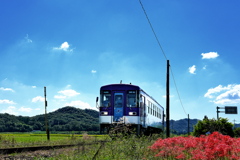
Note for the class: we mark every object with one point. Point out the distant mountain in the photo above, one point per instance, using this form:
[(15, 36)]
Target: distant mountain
[(73, 119), (64, 119), (181, 126)]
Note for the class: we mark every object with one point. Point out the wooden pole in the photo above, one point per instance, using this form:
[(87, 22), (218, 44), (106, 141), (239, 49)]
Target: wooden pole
[(188, 125), (167, 103), (46, 118)]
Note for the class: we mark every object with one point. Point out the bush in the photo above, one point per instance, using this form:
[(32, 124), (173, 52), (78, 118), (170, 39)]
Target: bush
[(236, 132), (207, 126)]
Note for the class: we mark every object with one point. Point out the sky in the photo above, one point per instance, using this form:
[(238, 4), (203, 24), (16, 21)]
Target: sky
[(74, 47)]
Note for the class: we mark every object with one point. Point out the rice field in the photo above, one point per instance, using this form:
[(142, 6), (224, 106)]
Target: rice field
[(9, 140)]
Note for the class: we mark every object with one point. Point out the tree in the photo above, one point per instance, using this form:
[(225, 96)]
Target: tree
[(210, 125), (237, 132)]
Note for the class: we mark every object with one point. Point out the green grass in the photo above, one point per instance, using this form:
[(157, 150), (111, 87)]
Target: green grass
[(24, 140), (123, 147)]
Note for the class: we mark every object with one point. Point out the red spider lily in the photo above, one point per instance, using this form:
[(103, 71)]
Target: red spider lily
[(209, 147)]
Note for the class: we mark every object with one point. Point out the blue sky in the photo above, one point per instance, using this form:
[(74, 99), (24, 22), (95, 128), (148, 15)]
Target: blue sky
[(74, 47)]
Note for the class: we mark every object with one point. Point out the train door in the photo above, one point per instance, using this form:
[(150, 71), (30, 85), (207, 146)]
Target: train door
[(118, 107), (142, 111)]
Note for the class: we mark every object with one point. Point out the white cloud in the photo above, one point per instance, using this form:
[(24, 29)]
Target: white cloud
[(94, 71), (68, 86), (69, 93), (66, 93), (64, 47), (192, 69), (205, 67), (6, 89), (60, 97), (209, 55), (23, 109), (6, 101), (34, 86), (28, 39), (216, 90), (10, 110), (38, 99), (229, 94), (79, 104)]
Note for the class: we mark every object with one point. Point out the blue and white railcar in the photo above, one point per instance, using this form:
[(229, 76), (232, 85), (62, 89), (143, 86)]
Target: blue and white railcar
[(129, 104)]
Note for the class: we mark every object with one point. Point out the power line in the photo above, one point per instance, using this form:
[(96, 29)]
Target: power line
[(153, 30), (178, 92), (159, 44)]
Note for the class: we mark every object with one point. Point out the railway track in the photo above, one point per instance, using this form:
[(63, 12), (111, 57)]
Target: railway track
[(36, 148)]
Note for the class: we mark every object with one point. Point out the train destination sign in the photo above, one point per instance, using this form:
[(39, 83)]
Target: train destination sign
[(230, 109)]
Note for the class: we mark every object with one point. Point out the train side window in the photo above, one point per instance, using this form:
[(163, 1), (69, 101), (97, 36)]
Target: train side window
[(151, 109), (148, 107), (105, 100), (132, 99), (155, 111)]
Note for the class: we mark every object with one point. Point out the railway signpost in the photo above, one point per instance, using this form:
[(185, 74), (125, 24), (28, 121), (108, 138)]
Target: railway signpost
[(227, 110)]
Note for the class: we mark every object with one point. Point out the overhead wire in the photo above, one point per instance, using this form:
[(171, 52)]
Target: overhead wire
[(178, 92), (159, 44)]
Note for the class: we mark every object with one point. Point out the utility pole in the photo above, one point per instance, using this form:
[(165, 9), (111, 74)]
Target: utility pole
[(234, 123), (167, 103), (188, 125), (46, 118)]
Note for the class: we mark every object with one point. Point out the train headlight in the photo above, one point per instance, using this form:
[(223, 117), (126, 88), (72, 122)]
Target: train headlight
[(104, 113), (132, 113)]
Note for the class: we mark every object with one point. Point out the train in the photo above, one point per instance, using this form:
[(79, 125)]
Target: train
[(131, 106)]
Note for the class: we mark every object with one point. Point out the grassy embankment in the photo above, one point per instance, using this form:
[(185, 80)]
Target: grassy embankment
[(122, 147)]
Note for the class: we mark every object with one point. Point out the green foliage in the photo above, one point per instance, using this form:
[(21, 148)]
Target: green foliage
[(236, 132), (124, 147), (207, 126), (64, 119)]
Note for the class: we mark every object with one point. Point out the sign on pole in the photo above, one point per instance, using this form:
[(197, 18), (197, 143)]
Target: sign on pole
[(231, 110)]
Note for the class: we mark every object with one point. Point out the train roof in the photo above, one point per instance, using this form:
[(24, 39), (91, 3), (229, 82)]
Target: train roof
[(127, 86), (120, 86)]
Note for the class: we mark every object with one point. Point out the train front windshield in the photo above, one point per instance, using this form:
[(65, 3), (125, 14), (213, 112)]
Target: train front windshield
[(132, 99), (105, 99)]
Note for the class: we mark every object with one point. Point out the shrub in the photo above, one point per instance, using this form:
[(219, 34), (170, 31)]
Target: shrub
[(211, 125), (236, 132)]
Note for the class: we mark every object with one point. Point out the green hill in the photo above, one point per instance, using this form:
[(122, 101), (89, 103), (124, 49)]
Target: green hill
[(64, 119), (181, 126)]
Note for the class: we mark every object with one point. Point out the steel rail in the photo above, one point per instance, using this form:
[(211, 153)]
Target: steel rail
[(35, 148)]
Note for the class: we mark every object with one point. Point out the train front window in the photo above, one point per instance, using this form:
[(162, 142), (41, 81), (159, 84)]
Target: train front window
[(132, 99), (118, 100), (105, 99)]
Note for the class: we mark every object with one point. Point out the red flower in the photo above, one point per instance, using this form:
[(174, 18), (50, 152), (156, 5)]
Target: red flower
[(208, 147)]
